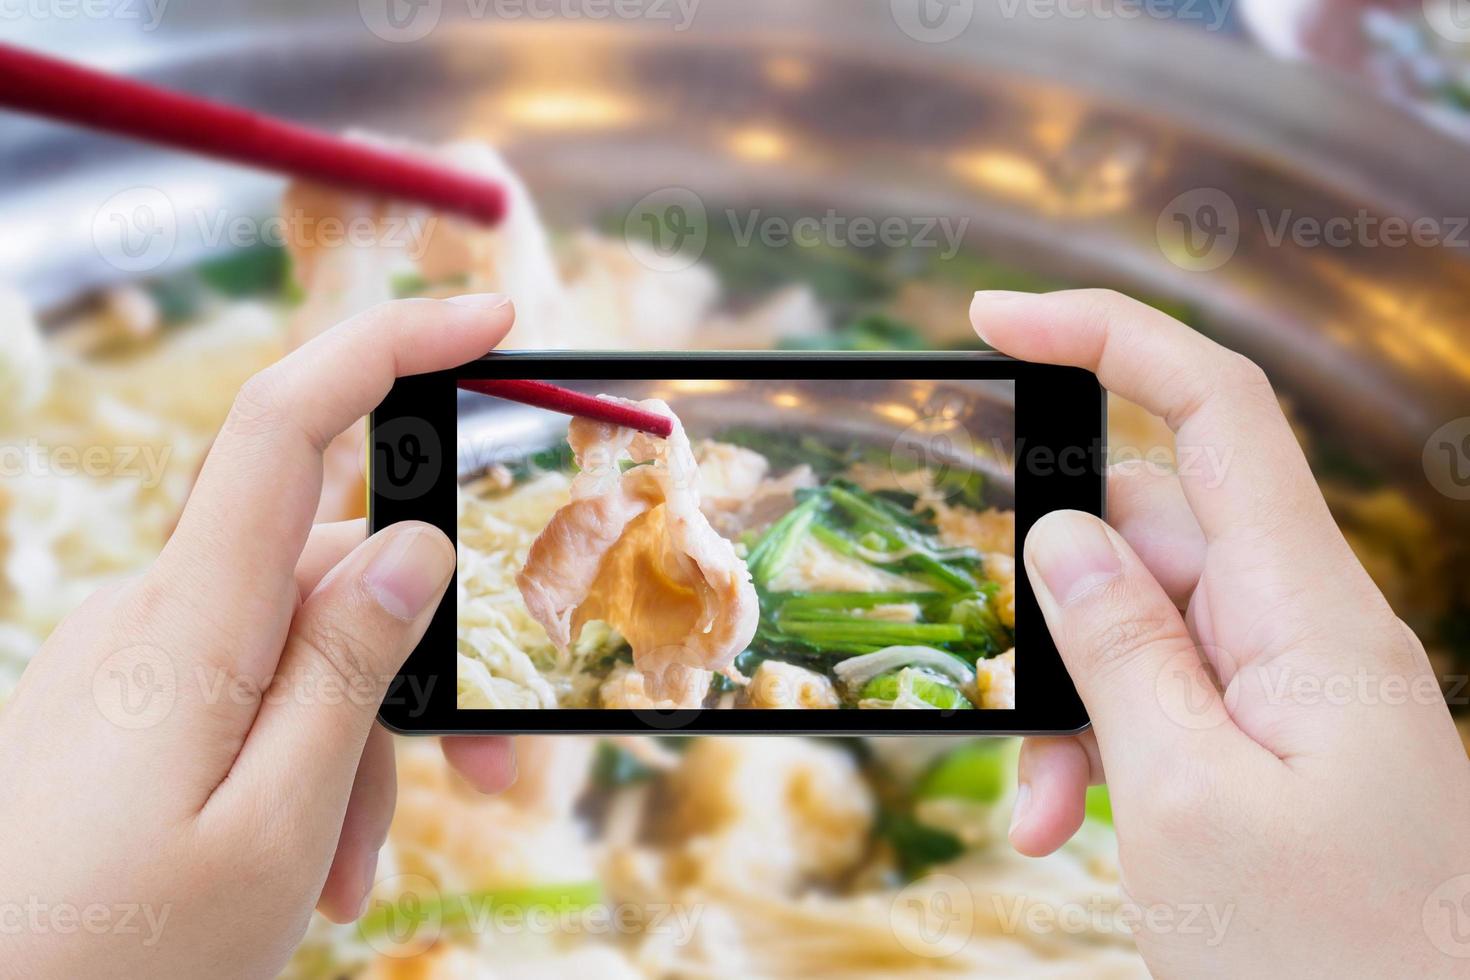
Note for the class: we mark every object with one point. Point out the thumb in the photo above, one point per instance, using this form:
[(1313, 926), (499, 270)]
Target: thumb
[(346, 643), (1145, 685)]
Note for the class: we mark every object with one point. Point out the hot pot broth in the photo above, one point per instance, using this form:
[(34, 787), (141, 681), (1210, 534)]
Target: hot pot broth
[(882, 583)]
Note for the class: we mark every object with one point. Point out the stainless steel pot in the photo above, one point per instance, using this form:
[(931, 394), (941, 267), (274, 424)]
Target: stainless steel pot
[(943, 424), (1065, 143)]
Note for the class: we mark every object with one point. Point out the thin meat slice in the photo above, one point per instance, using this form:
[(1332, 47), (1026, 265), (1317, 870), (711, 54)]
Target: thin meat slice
[(633, 550)]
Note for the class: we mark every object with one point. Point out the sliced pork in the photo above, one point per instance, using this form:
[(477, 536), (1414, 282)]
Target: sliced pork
[(633, 549)]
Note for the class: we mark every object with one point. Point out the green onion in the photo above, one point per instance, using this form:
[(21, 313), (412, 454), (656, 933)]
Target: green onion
[(791, 601), (926, 687), (874, 631), (774, 549), (398, 921), (975, 771), (1099, 805)]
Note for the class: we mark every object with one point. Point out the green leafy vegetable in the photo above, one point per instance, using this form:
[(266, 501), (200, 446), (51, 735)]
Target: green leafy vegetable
[(399, 921), (409, 284), (775, 547), (871, 332), (1099, 805), (917, 846), (920, 684), (616, 766), (976, 771), (985, 635), (256, 271)]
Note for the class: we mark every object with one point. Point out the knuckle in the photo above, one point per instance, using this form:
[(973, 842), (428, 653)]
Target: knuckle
[(257, 406), (1126, 637), (141, 603), (1104, 306), (342, 651), (1243, 373)]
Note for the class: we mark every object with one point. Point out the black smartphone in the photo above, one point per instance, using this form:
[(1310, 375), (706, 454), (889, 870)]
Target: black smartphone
[(864, 513)]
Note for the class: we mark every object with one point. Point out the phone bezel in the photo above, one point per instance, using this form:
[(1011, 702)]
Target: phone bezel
[(1057, 409)]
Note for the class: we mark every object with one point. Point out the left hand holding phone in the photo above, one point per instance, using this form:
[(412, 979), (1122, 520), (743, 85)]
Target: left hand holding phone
[(199, 741)]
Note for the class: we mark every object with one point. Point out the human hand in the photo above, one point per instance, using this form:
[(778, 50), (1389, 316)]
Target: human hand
[(1275, 742), (191, 762)]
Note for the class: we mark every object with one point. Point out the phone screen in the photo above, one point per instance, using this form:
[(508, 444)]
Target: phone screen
[(822, 543)]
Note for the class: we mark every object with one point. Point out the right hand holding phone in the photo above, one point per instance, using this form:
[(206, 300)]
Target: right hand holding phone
[(1317, 807)]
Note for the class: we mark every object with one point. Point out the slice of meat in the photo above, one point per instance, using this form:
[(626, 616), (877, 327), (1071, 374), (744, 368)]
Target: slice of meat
[(736, 494), (632, 549)]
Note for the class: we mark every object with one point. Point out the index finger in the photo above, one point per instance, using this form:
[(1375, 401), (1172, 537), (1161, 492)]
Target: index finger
[(1245, 473), (244, 526)]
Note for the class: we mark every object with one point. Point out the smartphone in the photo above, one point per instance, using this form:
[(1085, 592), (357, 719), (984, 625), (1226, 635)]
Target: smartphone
[(868, 508)]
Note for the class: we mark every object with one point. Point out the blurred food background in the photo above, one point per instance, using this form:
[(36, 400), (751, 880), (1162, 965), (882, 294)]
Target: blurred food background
[(1285, 176)]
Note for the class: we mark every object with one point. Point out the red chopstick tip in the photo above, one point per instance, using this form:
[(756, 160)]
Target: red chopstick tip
[(540, 394), (61, 90)]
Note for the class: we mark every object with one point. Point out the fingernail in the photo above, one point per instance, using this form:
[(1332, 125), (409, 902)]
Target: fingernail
[(992, 299), (1022, 804), (480, 301), (997, 296), (1072, 554), (409, 572)]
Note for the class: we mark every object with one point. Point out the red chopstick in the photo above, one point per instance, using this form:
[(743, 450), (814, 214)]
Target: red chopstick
[(567, 402), (39, 85)]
